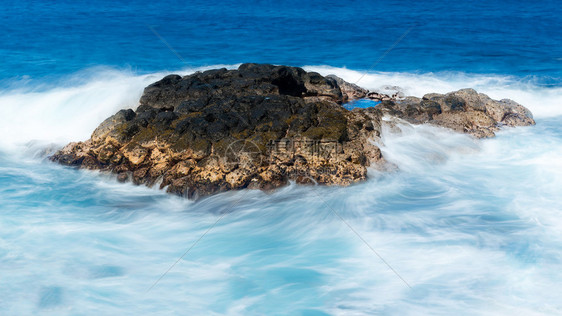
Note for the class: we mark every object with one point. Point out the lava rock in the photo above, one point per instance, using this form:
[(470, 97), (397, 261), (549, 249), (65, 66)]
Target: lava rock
[(258, 126), (261, 126)]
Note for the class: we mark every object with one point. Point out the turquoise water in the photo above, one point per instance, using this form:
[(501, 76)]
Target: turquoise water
[(361, 104), (473, 227), (468, 227)]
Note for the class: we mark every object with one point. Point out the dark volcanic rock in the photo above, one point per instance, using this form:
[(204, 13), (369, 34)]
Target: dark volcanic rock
[(260, 126), (200, 89)]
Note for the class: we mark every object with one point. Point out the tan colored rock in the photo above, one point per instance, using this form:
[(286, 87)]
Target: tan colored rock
[(464, 111), (136, 155)]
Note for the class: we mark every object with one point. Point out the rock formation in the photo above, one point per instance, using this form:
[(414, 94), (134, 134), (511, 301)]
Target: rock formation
[(260, 126), (465, 111)]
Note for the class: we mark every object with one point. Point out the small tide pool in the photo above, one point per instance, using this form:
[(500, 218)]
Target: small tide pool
[(360, 104)]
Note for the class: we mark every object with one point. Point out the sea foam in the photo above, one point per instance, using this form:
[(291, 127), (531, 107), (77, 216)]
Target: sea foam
[(74, 107)]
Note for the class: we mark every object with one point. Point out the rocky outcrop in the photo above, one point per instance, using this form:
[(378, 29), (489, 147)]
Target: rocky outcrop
[(261, 126), (465, 111), (352, 91)]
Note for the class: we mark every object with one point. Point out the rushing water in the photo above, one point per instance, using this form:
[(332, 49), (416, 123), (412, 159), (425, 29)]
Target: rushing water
[(463, 226)]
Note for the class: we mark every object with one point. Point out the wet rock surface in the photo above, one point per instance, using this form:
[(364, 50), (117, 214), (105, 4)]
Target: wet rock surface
[(261, 126)]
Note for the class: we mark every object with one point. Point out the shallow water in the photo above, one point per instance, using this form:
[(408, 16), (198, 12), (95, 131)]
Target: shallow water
[(461, 227)]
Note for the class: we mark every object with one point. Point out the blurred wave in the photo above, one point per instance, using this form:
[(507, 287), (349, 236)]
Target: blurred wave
[(473, 226)]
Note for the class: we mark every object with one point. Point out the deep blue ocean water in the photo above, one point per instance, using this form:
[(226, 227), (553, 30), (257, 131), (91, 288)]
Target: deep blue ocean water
[(45, 38), (472, 227)]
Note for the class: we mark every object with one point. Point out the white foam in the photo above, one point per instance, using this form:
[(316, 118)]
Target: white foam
[(72, 109)]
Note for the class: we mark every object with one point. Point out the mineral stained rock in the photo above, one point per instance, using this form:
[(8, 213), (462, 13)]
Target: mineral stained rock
[(261, 126)]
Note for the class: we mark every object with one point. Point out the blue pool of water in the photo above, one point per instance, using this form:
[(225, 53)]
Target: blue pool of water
[(473, 227), (360, 104)]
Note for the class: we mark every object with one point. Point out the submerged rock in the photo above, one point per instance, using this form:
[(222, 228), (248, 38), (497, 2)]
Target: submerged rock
[(261, 126)]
